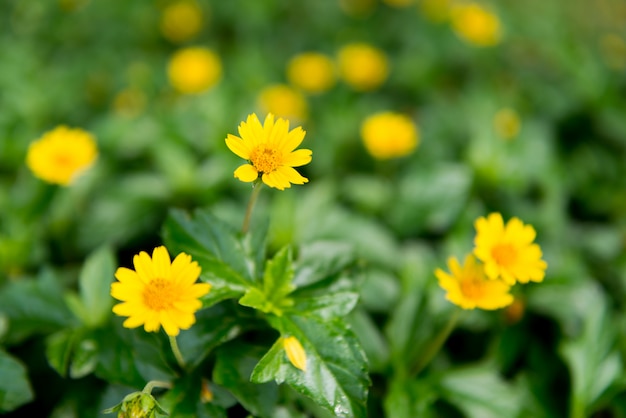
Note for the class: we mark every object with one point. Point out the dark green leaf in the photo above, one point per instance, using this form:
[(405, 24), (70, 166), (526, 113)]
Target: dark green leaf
[(336, 375), (84, 359), (333, 305), (15, 389), (35, 306), (320, 260), (59, 348), (94, 282), (232, 370)]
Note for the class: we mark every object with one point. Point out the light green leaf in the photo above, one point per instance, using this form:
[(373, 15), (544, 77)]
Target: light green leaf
[(15, 390), (94, 283), (336, 368), (84, 358)]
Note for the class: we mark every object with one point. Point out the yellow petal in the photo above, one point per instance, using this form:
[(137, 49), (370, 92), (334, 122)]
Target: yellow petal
[(291, 175), (238, 146), (295, 353), (298, 158), (246, 173), (144, 267), (161, 262)]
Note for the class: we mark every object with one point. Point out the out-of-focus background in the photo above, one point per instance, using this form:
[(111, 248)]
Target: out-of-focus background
[(517, 107)]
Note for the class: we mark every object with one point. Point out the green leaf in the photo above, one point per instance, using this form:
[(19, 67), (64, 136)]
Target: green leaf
[(319, 260), (84, 359), (479, 391), (59, 350), (336, 375), (334, 305), (35, 306), (94, 284), (277, 284), (593, 359), (409, 399), (233, 366), (15, 390)]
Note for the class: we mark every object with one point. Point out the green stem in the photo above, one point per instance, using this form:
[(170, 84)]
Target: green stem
[(437, 343), (156, 384), (177, 353), (256, 189)]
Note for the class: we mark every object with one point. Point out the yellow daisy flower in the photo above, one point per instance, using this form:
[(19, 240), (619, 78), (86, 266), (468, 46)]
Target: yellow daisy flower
[(159, 292), (269, 148), (295, 352), (61, 155), (467, 286), (507, 123), (507, 250), (362, 66), (389, 135), (312, 72), (194, 70), (181, 20), (283, 101), (476, 25)]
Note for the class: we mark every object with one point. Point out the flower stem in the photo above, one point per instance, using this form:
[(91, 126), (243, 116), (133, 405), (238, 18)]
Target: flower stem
[(176, 351), (436, 344), (256, 189), (156, 384)]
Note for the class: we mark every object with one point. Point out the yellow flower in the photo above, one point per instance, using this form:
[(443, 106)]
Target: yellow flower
[(389, 135), (507, 250), (62, 154), (613, 49), (181, 20), (507, 123), (283, 101), (362, 66), (436, 10), (476, 25), (295, 352), (194, 70), (312, 72), (468, 287), (269, 148), (357, 8), (159, 292)]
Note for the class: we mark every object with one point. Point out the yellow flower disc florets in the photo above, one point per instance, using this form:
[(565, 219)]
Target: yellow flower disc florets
[(508, 250), (271, 151), (159, 292), (61, 155)]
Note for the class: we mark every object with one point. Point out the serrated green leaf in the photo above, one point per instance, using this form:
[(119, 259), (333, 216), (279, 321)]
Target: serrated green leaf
[(233, 366), (15, 389), (94, 284), (336, 368), (35, 306), (277, 284)]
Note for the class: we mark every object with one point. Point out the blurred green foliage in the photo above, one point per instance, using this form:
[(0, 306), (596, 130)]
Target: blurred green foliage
[(366, 228)]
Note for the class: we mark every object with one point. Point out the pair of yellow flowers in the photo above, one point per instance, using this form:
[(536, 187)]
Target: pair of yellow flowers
[(508, 255)]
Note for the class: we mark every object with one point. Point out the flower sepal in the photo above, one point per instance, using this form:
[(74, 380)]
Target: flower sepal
[(137, 405)]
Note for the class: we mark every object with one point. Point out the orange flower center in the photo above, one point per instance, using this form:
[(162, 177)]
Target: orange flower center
[(504, 254), (63, 160), (265, 159), (159, 294), (472, 288)]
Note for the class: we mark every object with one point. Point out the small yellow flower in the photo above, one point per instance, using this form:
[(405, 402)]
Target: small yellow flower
[(283, 101), (507, 123), (362, 66), (613, 49), (62, 154), (312, 72), (476, 25), (194, 70), (269, 148), (357, 8), (295, 352), (508, 250), (436, 10), (159, 292), (468, 287), (389, 135), (181, 20)]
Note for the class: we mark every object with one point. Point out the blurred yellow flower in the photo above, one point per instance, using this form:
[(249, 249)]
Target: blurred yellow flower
[(283, 101), (312, 72), (399, 3), (508, 250), (181, 20), (357, 8), (613, 48), (389, 135), (436, 10), (194, 70), (362, 66), (295, 352), (159, 292), (269, 148), (507, 123), (476, 25), (467, 286), (62, 154)]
